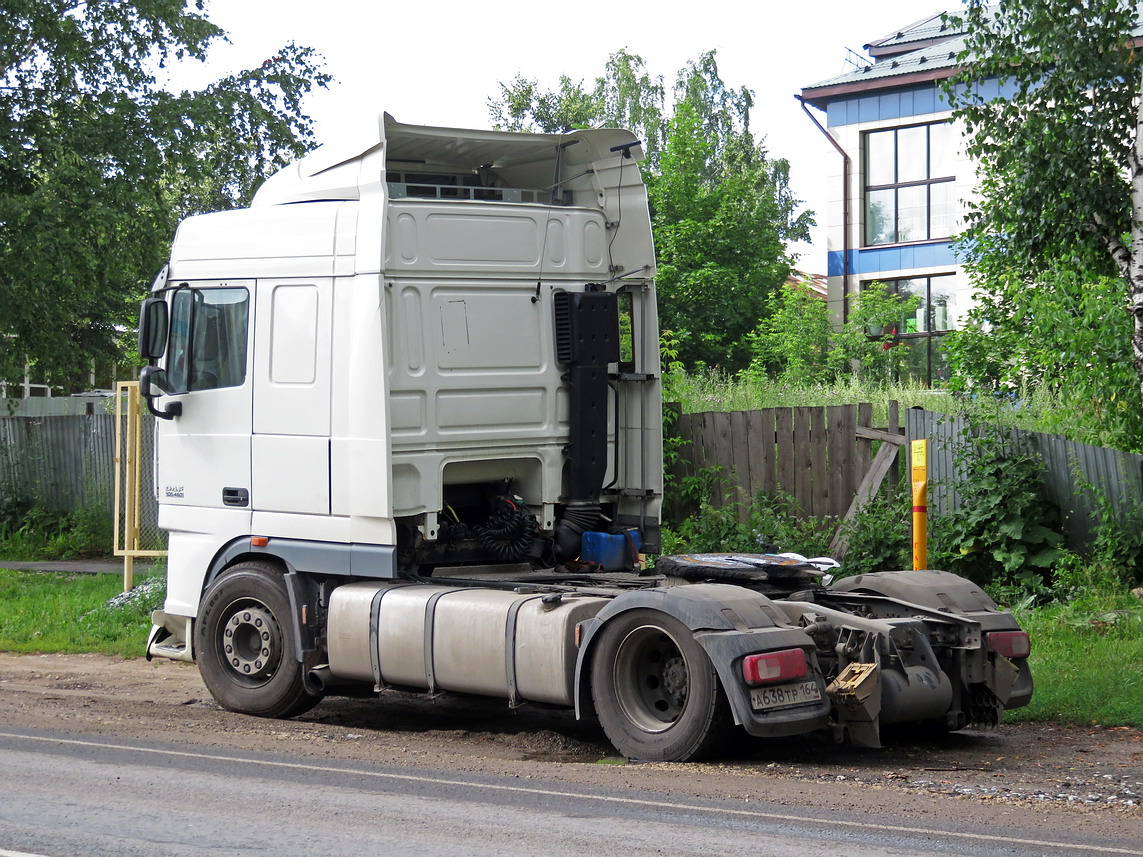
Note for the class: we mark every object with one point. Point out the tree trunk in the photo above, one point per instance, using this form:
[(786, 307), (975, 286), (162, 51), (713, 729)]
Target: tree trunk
[(1134, 273)]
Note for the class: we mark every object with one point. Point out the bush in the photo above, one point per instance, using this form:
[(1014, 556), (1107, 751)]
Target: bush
[(880, 536), (773, 525), (1005, 533), (45, 534)]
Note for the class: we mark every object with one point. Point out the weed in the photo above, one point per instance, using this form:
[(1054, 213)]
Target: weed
[(772, 525), (880, 537), (1005, 534), (47, 534)]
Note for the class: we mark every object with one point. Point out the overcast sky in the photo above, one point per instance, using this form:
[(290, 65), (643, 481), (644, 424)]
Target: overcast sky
[(437, 63)]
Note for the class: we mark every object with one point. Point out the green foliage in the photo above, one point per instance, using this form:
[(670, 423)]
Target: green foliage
[(722, 209), (792, 344), (797, 343), (867, 336), (1051, 244), (624, 96), (51, 612), (1087, 659), (880, 536), (774, 524), (1053, 155), (720, 232), (1005, 533), (1062, 333), (98, 163), (43, 534)]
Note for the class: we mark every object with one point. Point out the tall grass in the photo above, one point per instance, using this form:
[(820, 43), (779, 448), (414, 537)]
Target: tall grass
[(712, 390)]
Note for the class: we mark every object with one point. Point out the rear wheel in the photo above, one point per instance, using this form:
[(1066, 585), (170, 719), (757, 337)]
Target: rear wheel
[(656, 691), (244, 644)]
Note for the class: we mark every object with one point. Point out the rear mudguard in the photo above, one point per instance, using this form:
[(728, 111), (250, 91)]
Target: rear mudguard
[(729, 622)]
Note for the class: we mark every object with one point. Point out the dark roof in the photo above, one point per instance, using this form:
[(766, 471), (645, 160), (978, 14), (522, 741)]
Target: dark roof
[(923, 33), (923, 52)]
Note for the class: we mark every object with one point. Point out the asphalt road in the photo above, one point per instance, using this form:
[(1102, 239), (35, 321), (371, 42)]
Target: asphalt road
[(64, 794)]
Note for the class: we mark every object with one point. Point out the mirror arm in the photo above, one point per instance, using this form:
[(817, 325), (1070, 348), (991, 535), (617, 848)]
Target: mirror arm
[(172, 410)]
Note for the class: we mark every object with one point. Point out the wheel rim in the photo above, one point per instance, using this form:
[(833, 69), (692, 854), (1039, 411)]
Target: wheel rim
[(250, 643), (651, 680)]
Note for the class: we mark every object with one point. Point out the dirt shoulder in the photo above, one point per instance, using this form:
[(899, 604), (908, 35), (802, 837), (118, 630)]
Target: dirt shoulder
[(1066, 776)]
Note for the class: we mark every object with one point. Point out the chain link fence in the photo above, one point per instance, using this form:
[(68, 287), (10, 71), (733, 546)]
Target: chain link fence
[(67, 463)]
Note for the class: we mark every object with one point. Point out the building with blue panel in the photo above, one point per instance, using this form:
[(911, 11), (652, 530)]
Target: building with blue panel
[(903, 183)]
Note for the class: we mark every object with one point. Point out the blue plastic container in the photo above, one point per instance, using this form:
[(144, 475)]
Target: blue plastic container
[(613, 551)]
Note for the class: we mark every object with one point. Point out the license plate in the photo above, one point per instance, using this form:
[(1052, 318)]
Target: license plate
[(785, 695)]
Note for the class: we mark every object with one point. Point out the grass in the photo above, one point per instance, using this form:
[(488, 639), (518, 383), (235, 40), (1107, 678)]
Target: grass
[(1087, 661), (54, 612)]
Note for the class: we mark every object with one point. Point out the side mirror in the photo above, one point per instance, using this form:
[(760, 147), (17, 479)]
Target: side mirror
[(153, 329), (152, 384)]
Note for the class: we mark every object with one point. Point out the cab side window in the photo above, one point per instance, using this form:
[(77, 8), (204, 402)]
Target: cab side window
[(208, 339)]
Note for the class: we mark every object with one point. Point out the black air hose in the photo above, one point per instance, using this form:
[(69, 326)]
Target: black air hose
[(577, 520)]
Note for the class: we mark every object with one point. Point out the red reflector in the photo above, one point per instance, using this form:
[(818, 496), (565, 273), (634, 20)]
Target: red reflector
[(774, 667), (1011, 644), (259, 541)]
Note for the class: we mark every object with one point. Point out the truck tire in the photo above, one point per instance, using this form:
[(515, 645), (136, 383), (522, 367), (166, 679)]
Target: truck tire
[(244, 644), (655, 690)]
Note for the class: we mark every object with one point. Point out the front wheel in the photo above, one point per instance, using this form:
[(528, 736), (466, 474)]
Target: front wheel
[(656, 691), (243, 640)]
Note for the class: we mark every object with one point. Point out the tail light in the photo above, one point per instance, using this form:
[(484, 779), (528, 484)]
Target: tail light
[(774, 667), (1010, 644)]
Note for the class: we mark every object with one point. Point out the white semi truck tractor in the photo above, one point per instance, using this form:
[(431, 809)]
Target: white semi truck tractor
[(411, 439)]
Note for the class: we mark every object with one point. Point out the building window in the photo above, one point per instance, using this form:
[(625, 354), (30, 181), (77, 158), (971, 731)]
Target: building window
[(944, 300), (909, 184)]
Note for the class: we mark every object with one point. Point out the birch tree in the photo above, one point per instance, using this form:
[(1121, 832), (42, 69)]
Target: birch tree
[(1060, 153)]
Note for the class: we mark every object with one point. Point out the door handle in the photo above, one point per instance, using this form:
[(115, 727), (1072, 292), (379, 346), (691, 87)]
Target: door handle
[(235, 497)]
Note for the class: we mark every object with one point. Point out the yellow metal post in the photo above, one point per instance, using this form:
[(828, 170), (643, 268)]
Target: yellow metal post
[(128, 479), (919, 450)]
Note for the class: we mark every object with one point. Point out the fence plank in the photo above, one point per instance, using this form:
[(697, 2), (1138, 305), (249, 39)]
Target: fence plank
[(704, 442), (720, 436), (840, 449), (740, 452), (819, 471), (891, 485), (761, 445), (863, 447), (784, 428), (803, 463), (683, 466)]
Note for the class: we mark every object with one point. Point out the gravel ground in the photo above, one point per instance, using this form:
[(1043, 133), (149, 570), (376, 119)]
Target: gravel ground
[(1074, 775)]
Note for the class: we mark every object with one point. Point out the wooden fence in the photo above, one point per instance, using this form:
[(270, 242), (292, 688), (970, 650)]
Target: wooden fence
[(829, 459)]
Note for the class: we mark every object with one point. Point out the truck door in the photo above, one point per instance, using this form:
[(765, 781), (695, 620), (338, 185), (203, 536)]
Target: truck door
[(206, 449)]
